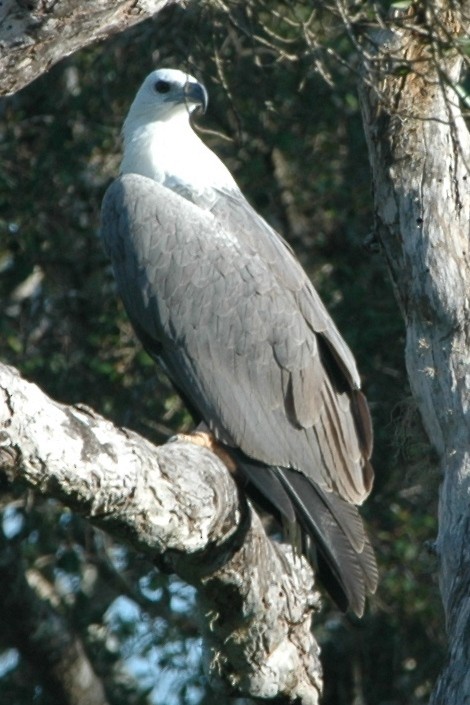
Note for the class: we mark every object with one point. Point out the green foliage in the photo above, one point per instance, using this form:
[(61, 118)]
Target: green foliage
[(285, 118)]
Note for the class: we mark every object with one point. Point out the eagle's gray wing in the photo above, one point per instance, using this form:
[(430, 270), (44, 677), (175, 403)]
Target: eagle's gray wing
[(218, 298)]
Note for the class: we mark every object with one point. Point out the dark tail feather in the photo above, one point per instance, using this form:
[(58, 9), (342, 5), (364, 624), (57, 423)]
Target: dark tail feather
[(267, 489), (342, 552), (334, 537)]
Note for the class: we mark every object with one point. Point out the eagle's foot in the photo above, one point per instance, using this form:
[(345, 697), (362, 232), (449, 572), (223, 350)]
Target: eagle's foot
[(206, 439)]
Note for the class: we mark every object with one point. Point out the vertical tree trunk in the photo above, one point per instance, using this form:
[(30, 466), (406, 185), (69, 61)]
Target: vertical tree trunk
[(419, 148)]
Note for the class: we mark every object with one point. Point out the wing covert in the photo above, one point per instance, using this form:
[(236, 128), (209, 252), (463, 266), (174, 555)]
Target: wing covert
[(224, 306)]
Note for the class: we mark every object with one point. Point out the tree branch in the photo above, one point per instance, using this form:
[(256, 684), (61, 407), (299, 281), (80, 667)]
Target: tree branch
[(36, 35), (180, 506)]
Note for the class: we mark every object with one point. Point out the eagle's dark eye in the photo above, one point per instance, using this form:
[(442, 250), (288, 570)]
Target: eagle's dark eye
[(162, 86)]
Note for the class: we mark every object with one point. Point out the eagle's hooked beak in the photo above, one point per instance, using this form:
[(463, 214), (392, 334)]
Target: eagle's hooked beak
[(196, 94)]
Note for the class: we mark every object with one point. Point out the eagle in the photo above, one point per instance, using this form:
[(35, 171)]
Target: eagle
[(220, 301)]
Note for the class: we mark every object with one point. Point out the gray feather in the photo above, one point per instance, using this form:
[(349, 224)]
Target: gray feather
[(221, 300)]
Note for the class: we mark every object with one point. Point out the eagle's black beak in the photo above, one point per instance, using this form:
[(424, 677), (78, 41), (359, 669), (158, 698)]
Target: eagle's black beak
[(196, 93)]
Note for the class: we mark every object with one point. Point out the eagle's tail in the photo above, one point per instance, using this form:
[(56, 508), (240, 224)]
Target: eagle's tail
[(334, 538)]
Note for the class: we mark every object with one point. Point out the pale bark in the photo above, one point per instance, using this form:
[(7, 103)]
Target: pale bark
[(180, 506), (419, 148), (35, 35)]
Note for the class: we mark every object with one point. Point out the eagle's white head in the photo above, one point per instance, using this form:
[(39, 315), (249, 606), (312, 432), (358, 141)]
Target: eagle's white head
[(166, 94), (159, 141)]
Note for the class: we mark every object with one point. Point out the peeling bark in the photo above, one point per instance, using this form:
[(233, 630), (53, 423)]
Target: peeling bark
[(419, 148), (36, 35), (180, 506)]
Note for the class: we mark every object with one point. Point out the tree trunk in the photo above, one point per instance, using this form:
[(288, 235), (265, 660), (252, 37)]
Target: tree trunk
[(32, 621), (418, 146)]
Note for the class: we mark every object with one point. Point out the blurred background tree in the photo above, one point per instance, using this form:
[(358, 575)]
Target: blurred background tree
[(284, 116)]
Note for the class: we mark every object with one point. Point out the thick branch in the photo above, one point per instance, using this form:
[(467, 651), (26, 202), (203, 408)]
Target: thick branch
[(418, 146), (36, 35), (180, 506)]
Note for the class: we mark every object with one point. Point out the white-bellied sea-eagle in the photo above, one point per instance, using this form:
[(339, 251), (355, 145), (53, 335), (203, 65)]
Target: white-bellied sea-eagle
[(219, 299)]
